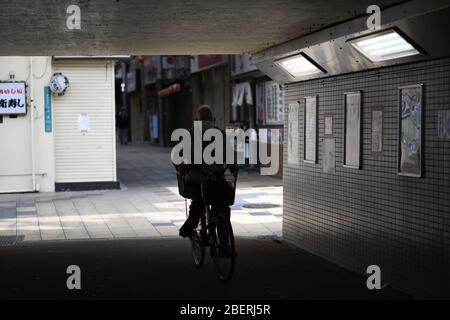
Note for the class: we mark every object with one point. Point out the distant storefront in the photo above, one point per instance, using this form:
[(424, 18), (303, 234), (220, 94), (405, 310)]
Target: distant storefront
[(211, 86), (256, 102), (62, 134), (157, 96)]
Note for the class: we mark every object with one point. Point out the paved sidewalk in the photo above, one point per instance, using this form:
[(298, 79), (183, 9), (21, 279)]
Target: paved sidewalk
[(148, 205)]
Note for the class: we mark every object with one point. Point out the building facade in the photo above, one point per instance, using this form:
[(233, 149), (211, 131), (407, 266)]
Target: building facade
[(156, 92), (61, 142)]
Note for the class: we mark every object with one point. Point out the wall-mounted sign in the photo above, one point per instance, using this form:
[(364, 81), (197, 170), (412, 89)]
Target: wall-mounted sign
[(168, 62), (241, 63), (293, 134), (274, 103), (203, 62), (310, 128), (168, 67), (59, 84), (328, 130), (329, 145), (410, 131), (208, 60), (48, 109), (377, 130), (352, 116), (13, 98)]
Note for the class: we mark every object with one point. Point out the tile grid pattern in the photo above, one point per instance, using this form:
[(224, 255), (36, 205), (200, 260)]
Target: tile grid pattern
[(357, 218)]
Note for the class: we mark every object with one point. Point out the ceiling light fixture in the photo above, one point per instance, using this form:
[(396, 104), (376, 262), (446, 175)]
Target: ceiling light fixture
[(384, 46), (300, 66)]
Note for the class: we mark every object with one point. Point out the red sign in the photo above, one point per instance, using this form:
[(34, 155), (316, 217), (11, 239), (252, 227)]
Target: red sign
[(208, 60)]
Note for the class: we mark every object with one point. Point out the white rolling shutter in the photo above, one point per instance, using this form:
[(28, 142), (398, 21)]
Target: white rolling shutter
[(85, 156)]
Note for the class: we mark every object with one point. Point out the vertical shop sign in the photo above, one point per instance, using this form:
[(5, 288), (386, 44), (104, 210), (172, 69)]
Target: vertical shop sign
[(48, 109)]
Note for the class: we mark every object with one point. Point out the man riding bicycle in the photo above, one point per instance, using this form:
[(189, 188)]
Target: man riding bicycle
[(194, 174)]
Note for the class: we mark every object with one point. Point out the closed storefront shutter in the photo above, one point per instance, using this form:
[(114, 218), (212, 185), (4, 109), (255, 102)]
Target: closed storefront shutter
[(85, 152)]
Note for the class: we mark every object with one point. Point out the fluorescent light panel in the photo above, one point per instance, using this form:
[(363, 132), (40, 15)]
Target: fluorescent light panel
[(384, 47), (298, 66)]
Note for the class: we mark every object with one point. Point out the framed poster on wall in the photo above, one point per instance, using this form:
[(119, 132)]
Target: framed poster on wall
[(410, 161), (293, 134), (444, 124), (377, 130), (352, 129), (310, 130), (274, 103)]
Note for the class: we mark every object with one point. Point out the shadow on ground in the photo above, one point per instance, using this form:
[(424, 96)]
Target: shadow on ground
[(162, 269)]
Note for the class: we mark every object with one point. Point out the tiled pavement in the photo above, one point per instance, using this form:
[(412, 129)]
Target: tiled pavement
[(148, 205)]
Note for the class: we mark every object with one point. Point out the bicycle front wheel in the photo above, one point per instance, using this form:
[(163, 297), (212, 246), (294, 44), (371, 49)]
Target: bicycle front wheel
[(223, 249)]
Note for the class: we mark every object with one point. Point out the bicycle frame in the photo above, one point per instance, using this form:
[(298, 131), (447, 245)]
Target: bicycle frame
[(222, 253), (206, 223)]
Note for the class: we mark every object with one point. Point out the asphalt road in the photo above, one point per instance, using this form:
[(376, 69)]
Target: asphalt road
[(163, 269)]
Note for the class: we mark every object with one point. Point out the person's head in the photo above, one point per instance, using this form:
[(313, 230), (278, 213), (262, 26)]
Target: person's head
[(204, 113)]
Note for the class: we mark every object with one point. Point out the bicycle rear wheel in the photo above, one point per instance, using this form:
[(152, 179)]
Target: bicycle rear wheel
[(198, 248), (223, 248), (198, 243)]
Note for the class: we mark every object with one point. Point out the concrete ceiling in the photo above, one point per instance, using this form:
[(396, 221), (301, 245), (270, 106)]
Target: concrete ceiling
[(154, 27)]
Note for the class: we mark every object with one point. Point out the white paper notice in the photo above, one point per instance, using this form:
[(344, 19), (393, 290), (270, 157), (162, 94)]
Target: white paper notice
[(328, 126), (293, 136), (84, 122), (377, 131)]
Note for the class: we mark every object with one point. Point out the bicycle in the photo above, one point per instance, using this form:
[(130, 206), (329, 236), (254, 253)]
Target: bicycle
[(214, 228)]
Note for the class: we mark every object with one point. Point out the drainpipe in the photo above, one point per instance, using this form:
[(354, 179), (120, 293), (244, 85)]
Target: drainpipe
[(33, 166), (161, 108)]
